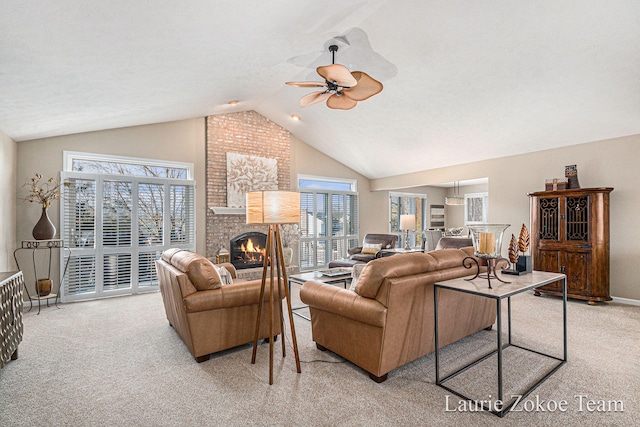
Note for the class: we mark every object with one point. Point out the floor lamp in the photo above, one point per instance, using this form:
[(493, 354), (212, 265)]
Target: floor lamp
[(274, 208)]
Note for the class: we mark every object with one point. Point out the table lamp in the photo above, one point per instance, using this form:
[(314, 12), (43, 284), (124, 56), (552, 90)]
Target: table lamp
[(274, 208), (407, 223)]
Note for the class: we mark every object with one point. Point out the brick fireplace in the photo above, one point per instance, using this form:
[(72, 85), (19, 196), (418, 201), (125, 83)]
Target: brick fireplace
[(247, 133), (247, 250)]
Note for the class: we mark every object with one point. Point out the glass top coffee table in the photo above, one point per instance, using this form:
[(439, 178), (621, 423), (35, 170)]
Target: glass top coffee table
[(330, 276)]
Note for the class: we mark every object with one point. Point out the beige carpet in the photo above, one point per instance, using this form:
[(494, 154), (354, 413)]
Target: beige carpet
[(117, 362)]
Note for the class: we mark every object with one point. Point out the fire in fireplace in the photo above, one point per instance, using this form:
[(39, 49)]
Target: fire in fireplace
[(247, 250)]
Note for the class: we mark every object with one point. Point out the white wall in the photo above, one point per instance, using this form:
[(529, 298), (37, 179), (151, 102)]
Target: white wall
[(309, 161), (455, 215), (8, 167), (609, 163), (181, 141)]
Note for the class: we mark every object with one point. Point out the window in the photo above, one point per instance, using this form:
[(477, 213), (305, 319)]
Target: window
[(407, 204), (328, 220), (118, 216), (476, 208)]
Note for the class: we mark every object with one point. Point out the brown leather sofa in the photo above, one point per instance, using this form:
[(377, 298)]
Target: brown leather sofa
[(210, 316), (388, 321), (386, 241), (448, 242)]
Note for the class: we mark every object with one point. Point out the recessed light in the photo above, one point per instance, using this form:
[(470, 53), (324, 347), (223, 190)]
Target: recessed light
[(295, 117), (234, 102)]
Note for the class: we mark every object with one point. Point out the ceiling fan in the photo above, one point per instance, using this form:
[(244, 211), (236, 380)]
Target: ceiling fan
[(341, 88)]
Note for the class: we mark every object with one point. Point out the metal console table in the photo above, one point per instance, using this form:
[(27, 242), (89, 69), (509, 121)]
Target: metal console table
[(517, 285), (34, 246)]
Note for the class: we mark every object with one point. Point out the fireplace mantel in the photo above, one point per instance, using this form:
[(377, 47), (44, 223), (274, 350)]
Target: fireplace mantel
[(223, 210)]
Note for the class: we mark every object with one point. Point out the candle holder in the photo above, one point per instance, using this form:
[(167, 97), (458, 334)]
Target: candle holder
[(487, 245)]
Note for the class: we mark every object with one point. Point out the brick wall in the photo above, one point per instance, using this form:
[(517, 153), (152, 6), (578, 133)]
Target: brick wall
[(247, 133)]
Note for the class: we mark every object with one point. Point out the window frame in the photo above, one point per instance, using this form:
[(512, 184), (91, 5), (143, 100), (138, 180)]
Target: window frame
[(416, 237), (484, 196), (70, 156), (343, 242), (93, 257)]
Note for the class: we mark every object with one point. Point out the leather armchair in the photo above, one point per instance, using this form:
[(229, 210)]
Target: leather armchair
[(210, 316), (386, 241)]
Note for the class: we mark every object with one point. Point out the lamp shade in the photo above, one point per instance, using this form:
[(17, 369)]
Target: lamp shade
[(407, 222), (273, 207)]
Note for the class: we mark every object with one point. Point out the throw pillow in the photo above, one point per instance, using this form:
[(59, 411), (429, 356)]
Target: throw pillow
[(355, 275), (225, 275), (371, 248)]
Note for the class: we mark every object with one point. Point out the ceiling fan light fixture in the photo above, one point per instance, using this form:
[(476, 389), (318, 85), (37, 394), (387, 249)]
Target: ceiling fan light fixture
[(339, 81)]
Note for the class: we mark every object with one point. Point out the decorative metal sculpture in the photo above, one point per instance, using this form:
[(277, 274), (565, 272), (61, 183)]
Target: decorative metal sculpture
[(513, 249), (523, 240)]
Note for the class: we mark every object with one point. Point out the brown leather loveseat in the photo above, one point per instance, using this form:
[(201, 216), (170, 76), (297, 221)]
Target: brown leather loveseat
[(388, 321), (210, 316)]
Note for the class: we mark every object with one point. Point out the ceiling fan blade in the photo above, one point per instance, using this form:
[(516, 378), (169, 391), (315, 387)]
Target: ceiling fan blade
[(341, 102), (314, 98), (307, 84), (337, 73), (367, 87)]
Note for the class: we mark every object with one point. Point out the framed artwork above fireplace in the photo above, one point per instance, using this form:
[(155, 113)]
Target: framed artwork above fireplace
[(249, 173)]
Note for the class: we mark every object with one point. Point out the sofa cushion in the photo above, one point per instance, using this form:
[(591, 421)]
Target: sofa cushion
[(405, 265), (201, 272)]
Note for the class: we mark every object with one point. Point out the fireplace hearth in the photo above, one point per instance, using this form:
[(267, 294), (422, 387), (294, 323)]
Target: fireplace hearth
[(247, 250)]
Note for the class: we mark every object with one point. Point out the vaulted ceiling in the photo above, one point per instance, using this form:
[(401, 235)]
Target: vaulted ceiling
[(463, 80)]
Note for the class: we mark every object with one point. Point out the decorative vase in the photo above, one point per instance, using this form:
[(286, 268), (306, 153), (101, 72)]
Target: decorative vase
[(44, 287), (44, 229), (487, 245)]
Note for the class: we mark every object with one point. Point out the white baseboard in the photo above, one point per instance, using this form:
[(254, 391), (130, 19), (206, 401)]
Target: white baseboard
[(626, 301)]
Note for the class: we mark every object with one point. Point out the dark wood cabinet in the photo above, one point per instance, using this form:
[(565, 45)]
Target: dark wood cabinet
[(570, 235)]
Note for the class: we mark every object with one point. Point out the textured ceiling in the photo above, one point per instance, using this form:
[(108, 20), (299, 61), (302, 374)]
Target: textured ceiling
[(463, 80)]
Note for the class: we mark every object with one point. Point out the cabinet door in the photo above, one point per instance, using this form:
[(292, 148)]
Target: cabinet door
[(577, 219), (548, 218), (577, 267), (549, 260)]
